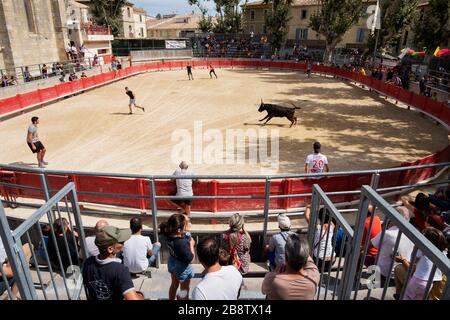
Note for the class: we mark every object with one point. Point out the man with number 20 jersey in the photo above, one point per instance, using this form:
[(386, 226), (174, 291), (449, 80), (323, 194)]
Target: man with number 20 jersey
[(316, 162)]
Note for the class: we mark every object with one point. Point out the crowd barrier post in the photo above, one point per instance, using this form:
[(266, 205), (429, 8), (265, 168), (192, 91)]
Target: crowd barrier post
[(154, 215), (266, 209)]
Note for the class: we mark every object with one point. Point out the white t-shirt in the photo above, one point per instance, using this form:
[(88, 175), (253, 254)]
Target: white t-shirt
[(386, 253), (320, 242), (424, 267), (316, 162), (135, 253), (91, 247), (3, 255), (34, 135), (220, 285), (184, 186)]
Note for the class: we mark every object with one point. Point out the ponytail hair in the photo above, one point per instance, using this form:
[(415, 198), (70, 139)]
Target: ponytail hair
[(176, 221)]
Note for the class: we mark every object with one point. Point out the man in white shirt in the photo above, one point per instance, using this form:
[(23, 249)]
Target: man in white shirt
[(386, 254), (219, 282), (138, 251), (316, 162), (184, 188), (92, 249)]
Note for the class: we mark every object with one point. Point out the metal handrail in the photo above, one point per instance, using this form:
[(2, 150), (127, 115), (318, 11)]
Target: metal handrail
[(214, 177)]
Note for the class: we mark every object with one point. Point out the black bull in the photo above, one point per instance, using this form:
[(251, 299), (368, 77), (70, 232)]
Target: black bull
[(274, 110)]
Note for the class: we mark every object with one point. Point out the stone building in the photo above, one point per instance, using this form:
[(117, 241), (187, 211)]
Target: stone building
[(82, 30), (31, 32), (174, 26), (133, 22), (298, 27)]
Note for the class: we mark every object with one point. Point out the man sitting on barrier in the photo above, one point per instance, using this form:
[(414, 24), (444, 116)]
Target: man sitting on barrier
[(298, 279), (138, 252), (275, 249), (104, 276), (184, 188)]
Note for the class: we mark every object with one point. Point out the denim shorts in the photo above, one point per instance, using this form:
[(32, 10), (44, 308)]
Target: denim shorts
[(183, 271)]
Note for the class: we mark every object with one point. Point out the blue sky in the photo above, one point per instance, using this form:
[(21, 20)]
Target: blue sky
[(154, 7)]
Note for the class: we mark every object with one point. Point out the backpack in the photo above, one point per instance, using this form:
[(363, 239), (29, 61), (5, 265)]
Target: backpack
[(231, 255)]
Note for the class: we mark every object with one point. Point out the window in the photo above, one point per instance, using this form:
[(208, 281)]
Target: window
[(252, 28), (304, 14), (142, 32), (140, 18), (252, 15), (130, 31), (129, 12), (264, 29), (265, 13), (360, 35), (301, 34), (168, 34), (161, 33), (30, 15)]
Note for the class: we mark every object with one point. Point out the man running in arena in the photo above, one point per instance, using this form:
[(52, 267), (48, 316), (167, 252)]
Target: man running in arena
[(132, 100), (212, 71), (316, 162), (35, 145), (189, 72)]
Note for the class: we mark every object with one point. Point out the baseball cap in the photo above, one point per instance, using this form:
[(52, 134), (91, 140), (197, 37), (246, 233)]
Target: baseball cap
[(284, 222), (110, 235), (317, 145)]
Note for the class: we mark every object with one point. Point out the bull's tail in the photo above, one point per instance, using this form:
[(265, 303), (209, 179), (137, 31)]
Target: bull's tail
[(295, 107)]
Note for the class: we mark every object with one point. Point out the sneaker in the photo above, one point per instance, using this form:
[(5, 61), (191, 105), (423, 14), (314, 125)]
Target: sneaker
[(130, 112), (143, 109), (41, 165), (45, 162)]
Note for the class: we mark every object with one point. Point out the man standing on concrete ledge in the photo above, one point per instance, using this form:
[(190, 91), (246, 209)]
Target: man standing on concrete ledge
[(35, 145)]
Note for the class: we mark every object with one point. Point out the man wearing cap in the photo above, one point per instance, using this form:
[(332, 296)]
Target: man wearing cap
[(316, 162), (184, 188), (277, 243), (104, 276)]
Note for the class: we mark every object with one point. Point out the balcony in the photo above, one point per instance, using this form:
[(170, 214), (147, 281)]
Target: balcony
[(97, 33)]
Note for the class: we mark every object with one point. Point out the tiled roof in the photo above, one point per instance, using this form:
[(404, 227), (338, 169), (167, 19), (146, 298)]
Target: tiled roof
[(176, 22)]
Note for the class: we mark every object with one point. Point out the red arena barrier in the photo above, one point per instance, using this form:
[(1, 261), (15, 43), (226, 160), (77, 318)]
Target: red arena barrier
[(120, 187)]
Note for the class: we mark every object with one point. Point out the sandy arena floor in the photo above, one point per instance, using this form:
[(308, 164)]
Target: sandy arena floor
[(93, 131)]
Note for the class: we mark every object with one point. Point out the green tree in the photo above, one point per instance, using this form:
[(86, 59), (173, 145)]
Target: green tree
[(396, 16), (206, 24), (277, 21), (333, 19), (431, 29), (229, 15), (108, 13), (158, 16)]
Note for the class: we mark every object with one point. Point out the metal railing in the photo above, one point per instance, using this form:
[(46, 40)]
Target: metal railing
[(54, 255), (341, 253), (355, 251), (265, 213)]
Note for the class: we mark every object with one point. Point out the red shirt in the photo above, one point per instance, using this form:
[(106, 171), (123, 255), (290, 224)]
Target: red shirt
[(376, 229)]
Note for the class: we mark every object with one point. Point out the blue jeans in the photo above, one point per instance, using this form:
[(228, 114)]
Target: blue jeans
[(155, 250)]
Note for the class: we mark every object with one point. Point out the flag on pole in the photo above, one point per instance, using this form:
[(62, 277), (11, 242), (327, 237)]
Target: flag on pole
[(436, 53), (377, 18)]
